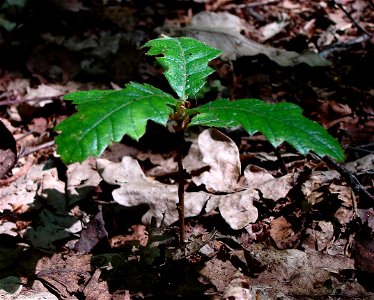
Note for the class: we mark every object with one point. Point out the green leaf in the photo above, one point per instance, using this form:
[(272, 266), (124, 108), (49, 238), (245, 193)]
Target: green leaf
[(185, 61), (104, 117), (277, 122)]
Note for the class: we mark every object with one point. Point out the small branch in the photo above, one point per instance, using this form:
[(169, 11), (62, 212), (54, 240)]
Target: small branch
[(350, 178), (370, 3), (30, 150), (344, 46), (341, 6)]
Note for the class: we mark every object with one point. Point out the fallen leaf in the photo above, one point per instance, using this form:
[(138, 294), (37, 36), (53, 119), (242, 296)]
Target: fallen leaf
[(66, 275), (237, 209), (222, 31), (8, 150), (135, 188), (321, 236), (310, 273), (282, 233), (222, 155), (238, 288), (82, 180)]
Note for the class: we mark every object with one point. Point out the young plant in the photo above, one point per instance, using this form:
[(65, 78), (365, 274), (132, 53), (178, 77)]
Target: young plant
[(105, 116)]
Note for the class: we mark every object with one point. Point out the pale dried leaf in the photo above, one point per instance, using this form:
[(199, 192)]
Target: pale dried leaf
[(136, 189), (255, 176), (237, 209), (278, 187), (238, 288), (82, 179), (222, 155), (222, 31), (21, 193), (270, 30)]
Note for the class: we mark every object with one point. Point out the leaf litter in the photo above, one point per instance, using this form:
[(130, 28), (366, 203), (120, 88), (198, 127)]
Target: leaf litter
[(312, 209)]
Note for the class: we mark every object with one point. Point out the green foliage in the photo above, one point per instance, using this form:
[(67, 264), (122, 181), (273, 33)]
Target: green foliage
[(104, 117), (277, 122), (185, 61)]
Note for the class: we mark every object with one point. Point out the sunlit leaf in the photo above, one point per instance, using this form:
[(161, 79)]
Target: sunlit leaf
[(104, 117), (185, 61), (277, 122)]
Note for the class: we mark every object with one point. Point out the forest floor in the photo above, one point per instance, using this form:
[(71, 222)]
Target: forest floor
[(299, 227)]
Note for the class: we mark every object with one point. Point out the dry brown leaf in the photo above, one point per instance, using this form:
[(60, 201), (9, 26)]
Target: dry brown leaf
[(237, 208), (222, 155), (67, 275), (282, 233), (96, 288), (270, 187), (238, 288), (223, 31), (321, 236), (82, 179), (296, 274), (136, 188)]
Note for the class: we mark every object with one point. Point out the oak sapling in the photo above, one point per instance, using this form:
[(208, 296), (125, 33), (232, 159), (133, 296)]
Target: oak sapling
[(105, 116)]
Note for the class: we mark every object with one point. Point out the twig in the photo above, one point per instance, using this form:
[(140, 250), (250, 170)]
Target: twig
[(255, 4), (370, 3), (350, 178), (37, 99), (344, 46), (30, 150), (341, 6)]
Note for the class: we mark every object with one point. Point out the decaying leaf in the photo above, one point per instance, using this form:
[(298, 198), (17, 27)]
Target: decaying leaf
[(237, 208), (8, 150), (282, 233), (136, 189), (222, 31), (270, 187), (222, 155), (295, 273), (238, 288), (67, 275), (82, 180)]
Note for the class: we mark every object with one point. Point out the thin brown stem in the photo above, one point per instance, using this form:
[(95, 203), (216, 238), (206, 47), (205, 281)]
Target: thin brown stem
[(181, 173)]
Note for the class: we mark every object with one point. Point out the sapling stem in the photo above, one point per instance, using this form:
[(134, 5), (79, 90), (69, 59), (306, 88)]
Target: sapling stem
[(181, 172)]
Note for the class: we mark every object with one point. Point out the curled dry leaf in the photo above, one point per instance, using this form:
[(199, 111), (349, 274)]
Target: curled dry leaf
[(270, 187), (222, 155), (282, 233), (8, 150), (223, 31), (135, 188), (310, 273), (238, 288), (237, 209), (82, 179)]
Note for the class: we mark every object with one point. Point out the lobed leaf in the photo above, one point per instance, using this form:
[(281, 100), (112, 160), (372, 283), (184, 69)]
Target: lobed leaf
[(277, 122), (104, 117), (185, 61)]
